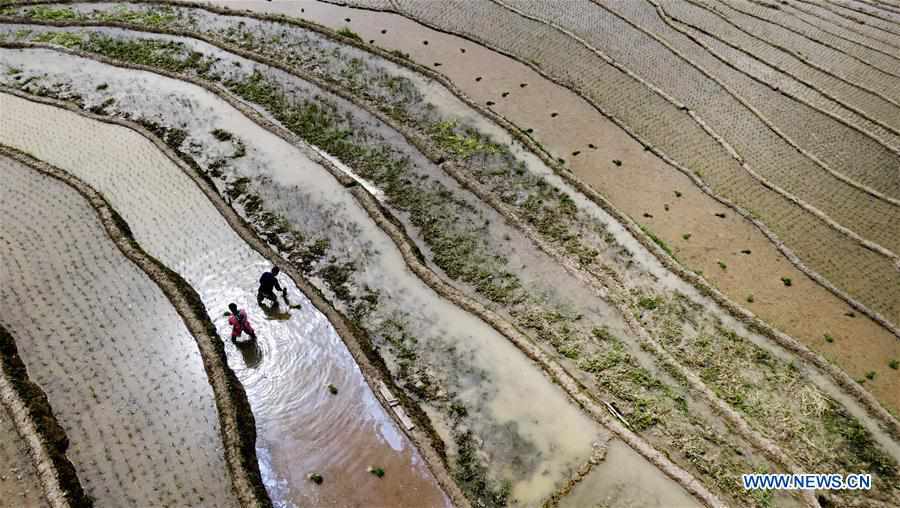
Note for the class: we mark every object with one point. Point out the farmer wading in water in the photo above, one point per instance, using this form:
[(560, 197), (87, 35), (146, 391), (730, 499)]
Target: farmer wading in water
[(267, 283), (239, 322)]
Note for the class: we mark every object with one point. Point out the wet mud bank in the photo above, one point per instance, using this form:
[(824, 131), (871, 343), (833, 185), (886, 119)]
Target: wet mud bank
[(34, 421), (349, 390), (107, 404)]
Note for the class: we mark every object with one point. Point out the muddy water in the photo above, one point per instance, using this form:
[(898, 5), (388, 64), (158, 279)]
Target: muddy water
[(302, 428), (616, 482), (557, 433), (116, 361), (19, 485), (642, 184)]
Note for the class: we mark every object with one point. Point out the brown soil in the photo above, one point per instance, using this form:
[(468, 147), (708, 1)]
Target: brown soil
[(19, 484), (642, 184)]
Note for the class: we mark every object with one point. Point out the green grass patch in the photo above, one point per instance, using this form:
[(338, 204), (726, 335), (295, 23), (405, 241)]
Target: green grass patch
[(649, 303), (350, 34), (658, 241), (65, 39), (47, 13), (462, 143)]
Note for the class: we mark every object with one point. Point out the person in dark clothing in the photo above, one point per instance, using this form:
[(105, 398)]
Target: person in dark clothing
[(239, 322), (268, 282)]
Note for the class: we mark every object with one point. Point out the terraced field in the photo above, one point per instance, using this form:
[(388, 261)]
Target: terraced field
[(700, 230), (108, 375), (468, 228), (140, 160)]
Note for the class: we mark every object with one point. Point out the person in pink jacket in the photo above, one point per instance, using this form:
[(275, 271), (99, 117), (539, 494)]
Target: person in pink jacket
[(239, 322)]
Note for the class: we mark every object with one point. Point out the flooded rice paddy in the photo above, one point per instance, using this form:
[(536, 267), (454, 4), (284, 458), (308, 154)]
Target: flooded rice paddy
[(553, 460), (616, 482), (336, 436), (701, 231), (497, 223), (101, 339), (486, 374)]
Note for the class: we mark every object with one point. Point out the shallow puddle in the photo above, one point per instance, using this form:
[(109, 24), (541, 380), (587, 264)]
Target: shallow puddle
[(118, 365)]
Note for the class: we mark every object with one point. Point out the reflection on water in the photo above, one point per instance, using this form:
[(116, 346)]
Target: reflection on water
[(250, 352), (303, 426)]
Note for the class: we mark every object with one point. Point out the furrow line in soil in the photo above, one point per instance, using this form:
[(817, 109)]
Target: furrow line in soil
[(870, 26), (841, 175), (756, 112), (887, 24), (790, 22), (881, 7), (803, 11), (872, 245), (783, 248), (783, 57), (719, 140), (888, 67), (879, 131), (884, 86)]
